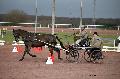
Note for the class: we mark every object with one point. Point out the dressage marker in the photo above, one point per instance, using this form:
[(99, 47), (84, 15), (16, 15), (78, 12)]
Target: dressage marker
[(17, 47), (50, 59)]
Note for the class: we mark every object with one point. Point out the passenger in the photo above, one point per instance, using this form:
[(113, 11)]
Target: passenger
[(96, 41), (96, 44)]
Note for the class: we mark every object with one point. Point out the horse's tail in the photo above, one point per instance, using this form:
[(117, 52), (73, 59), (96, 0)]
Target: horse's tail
[(61, 44)]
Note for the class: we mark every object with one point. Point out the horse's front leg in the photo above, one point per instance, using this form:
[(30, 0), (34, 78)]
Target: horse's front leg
[(58, 51)]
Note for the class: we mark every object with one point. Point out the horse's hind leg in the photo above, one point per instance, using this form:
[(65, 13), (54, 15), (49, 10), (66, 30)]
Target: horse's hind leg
[(27, 49), (51, 50), (32, 55), (28, 52), (23, 54)]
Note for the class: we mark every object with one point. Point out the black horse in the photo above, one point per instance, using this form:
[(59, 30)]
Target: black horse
[(37, 40)]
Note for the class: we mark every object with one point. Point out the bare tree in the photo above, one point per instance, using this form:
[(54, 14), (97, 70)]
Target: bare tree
[(16, 16)]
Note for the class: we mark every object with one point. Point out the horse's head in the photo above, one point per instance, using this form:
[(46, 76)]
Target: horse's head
[(16, 35)]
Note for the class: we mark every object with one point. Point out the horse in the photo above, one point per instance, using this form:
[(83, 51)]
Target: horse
[(37, 40)]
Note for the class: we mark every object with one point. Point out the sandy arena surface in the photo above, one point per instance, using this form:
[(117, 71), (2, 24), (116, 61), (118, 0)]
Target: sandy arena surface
[(35, 68)]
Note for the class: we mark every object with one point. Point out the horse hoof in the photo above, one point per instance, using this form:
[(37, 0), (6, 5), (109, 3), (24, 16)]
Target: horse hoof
[(20, 59), (34, 56), (60, 58)]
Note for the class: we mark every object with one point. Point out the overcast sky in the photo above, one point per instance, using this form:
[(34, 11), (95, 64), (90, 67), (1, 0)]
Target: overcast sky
[(67, 8)]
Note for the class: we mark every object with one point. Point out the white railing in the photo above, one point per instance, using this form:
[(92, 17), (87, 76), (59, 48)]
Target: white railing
[(2, 42)]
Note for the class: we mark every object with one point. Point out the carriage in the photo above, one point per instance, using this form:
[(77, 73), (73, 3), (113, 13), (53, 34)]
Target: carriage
[(90, 54)]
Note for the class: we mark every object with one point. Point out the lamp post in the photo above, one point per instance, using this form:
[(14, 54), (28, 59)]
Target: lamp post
[(53, 15), (81, 13), (35, 15), (94, 11)]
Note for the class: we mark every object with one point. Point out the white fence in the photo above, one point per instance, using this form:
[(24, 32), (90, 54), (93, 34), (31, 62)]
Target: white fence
[(2, 42)]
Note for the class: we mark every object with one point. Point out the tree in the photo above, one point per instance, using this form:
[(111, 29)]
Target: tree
[(16, 16)]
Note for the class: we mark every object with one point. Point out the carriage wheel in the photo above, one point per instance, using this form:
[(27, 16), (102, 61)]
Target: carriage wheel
[(73, 56), (100, 58), (96, 57), (92, 57), (87, 56)]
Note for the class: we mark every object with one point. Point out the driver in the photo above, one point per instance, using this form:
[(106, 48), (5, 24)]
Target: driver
[(83, 35)]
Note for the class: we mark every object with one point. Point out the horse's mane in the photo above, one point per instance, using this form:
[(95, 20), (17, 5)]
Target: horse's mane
[(22, 30), (31, 33)]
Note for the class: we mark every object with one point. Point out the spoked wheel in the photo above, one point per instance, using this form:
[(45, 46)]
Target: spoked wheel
[(87, 56), (92, 57), (73, 56), (96, 56)]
